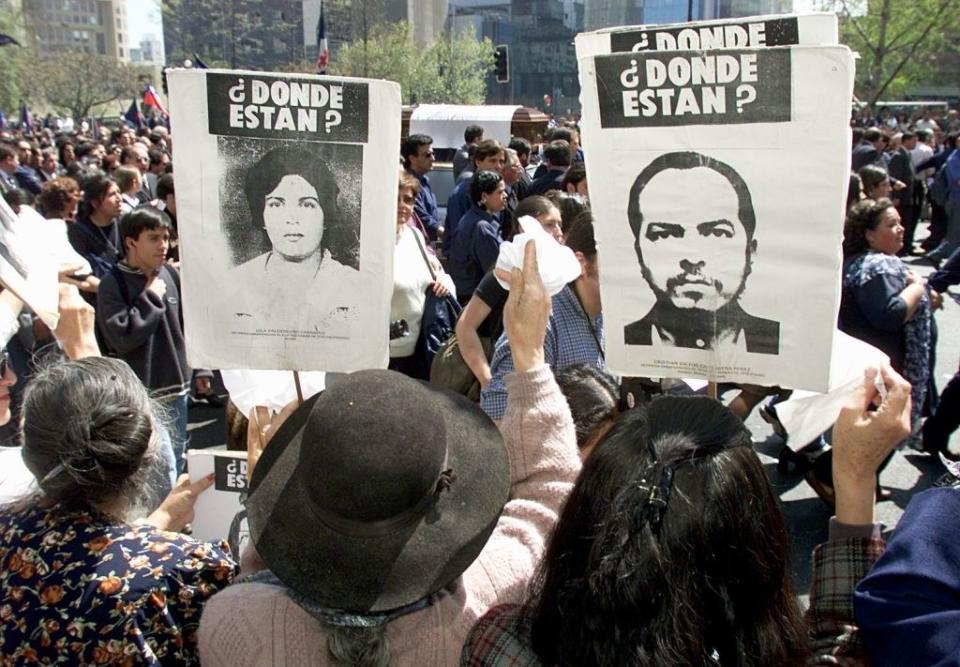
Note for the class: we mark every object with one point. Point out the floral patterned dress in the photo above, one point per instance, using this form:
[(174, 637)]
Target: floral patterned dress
[(79, 589)]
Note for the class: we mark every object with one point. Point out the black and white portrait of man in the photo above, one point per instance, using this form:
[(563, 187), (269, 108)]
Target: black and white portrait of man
[(694, 225)]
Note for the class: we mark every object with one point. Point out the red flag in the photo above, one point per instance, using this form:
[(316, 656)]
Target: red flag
[(150, 98), (323, 51)]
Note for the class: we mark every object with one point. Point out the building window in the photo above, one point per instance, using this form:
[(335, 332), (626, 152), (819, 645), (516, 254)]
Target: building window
[(101, 44)]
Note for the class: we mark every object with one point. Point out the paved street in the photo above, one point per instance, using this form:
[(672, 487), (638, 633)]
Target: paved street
[(806, 515)]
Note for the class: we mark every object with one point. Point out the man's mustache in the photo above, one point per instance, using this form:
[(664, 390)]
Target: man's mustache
[(692, 279)]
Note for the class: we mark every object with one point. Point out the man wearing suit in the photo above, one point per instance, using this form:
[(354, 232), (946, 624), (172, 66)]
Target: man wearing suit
[(869, 150), (696, 258), (901, 169), (557, 157)]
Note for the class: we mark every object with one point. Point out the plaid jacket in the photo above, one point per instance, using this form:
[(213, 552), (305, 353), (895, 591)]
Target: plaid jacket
[(502, 637)]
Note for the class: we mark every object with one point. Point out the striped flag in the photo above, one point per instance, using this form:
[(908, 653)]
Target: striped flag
[(132, 116), (151, 99), (323, 50)]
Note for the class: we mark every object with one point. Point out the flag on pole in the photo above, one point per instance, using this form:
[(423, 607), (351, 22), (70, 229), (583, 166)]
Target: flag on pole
[(132, 116), (323, 50), (199, 64), (8, 40), (152, 99)]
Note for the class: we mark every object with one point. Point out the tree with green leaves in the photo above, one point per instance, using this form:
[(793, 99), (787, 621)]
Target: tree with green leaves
[(453, 70), (77, 84), (899, 41), (12, 59)]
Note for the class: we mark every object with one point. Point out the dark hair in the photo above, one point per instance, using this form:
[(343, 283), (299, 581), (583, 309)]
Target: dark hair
[(857, 135), (95, 186), (871, 176), (144, 218), (853, 190), (557, 153), (570, 204), (15, 197), (560, 134), (486, 148), (863, 216), (62, 148), (580, 237), (155, 155), (56, 195), (264, 176), (7, 151), (165, 186), (593, 395), (87, 431), (521, 145), (908, 135), (670, 548), (411, 146), (84, 149), (575, 175), (923, 135), (484, 182), (872, 134), (691, 160), (472, 133), (534, 206)]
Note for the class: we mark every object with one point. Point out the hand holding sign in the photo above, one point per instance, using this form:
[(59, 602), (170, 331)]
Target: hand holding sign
[(261, 427)]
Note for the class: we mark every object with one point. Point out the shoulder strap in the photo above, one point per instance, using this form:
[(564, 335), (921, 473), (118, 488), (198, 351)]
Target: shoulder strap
[(423, 251)]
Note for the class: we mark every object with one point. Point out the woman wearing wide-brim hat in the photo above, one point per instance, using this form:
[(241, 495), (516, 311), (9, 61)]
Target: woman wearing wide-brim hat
[(389, 515)]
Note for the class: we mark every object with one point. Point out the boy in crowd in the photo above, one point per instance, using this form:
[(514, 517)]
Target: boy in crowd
[(139, 311)]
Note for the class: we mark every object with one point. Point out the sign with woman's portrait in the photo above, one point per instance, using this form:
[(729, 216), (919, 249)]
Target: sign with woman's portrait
[(283, 186)]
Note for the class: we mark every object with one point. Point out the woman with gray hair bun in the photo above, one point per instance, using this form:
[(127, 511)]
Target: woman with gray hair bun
[(75, 550)]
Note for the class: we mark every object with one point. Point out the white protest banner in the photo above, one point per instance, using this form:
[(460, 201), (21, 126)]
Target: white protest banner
[(718, 181), (286, 186), (741, 33), (28, 267), (217, 507)]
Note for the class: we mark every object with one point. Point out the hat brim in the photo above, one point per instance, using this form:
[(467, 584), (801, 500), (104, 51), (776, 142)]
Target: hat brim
[(372, 574)]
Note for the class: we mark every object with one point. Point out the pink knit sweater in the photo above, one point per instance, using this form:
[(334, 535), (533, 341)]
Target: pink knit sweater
[(257, 624)]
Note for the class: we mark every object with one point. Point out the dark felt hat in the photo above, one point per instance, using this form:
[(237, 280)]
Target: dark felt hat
[(377, 492)]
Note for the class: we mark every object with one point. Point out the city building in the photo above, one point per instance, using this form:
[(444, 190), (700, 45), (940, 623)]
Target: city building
[(251, 34), (69, 26), (150, 52)]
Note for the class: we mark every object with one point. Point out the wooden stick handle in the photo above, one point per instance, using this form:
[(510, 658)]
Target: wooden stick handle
[(296, 383)]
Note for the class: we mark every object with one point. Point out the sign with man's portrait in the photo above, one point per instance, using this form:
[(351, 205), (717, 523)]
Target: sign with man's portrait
[(282, 191), (719, 206)]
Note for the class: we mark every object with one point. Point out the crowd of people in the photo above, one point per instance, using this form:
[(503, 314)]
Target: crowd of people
[(533, 516)]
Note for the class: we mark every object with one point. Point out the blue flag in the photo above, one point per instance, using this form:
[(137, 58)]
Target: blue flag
[(133, 116), (199, 64)]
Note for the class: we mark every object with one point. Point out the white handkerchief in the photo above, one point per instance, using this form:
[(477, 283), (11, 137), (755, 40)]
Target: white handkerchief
[(558, 264), (271, 389)]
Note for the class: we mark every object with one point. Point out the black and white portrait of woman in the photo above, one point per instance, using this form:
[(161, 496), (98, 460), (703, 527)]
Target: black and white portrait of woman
[(294, 245)]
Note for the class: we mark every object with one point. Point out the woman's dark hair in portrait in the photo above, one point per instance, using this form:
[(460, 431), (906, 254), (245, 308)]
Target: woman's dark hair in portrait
[(863, 216), (671, 550), (871, 176), (854, 190), (483, 183), (339, 238)]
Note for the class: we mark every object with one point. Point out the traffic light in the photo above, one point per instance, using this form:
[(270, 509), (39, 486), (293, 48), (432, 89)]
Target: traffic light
[(502, 64)]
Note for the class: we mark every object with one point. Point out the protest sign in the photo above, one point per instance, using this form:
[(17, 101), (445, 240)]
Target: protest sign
[(217, 507), (285, 184), (719, 204), (28, 267), (741, 33)]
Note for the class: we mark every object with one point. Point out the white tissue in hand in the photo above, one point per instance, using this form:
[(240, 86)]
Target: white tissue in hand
[(558, 264)]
